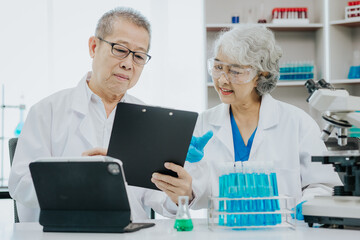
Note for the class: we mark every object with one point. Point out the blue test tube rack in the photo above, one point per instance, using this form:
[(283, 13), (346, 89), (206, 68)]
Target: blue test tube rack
[(249, 198), (298, 71)]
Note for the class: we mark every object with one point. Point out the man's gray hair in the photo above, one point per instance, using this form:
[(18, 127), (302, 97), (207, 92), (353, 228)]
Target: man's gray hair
[(104, 26), (253, 46)]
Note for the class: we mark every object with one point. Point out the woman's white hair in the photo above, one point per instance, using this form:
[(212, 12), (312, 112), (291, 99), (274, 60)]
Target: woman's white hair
[(253, 46)]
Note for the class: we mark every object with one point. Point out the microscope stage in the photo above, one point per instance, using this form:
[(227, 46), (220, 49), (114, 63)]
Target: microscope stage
[(340, 210)]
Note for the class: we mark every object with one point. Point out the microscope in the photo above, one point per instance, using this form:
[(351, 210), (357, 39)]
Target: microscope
[(339, 111)]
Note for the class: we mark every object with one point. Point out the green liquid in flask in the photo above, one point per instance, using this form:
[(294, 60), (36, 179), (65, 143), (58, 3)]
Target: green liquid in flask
[(183, 225)]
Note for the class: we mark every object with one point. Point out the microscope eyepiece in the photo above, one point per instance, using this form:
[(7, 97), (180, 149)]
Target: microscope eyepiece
[(324, 84), (311, 86)]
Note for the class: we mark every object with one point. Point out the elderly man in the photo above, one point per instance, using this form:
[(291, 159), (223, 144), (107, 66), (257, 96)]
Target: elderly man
[(78, 121)]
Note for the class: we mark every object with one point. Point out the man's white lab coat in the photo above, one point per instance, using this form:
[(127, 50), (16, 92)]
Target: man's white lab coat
[(60, 125)]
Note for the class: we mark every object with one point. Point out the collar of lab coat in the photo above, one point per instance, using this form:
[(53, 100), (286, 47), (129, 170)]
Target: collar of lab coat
[(269, 115), (82, 96), (268, 118), (80, 104)]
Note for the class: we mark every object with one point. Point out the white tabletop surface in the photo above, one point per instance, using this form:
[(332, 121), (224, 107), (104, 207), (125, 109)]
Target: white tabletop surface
[(164, 230)]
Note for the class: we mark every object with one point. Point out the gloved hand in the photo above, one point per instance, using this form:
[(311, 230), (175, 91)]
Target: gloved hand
[(196, 148), (299, 215)]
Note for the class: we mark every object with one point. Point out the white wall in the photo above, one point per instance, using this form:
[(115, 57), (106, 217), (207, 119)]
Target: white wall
[(44, 49)]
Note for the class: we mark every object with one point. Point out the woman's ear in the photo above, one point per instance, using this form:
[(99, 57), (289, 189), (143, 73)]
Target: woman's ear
[(265, 74)]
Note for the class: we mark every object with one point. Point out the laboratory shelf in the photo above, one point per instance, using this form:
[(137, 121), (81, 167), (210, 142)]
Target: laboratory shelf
[(329, 40), (345, 81), (280, 83), (352, 22), (302, 83), (295, 27), (275, 27), (283, 83)]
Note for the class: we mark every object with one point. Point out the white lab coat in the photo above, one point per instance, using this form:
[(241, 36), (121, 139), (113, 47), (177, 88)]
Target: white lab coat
[(285, 135), (60, 125)]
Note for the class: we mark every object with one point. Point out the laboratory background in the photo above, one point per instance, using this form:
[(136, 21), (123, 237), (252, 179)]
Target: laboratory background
[(45, 49)]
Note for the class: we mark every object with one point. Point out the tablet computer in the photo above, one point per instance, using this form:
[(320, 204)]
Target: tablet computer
[(85, 194), (145, 137)]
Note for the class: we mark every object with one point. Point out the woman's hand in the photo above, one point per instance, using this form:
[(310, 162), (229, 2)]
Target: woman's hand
[(172, 186), (196, 148)]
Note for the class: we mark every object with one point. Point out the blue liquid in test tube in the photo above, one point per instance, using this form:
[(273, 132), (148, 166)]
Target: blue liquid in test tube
[(241, 219), (20, 125), (251, 204), (269, 219), (233, 185), (276, 204), (260, 203), (221, 194)]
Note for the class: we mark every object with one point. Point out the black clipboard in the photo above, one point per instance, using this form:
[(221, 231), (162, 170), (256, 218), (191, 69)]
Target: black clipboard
[(145, 137), (85, 194)]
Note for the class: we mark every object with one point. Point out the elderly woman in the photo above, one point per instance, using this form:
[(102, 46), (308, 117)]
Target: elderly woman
[(250, 125)]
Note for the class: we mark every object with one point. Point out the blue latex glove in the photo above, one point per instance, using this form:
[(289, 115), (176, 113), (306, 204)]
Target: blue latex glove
[(196, 148), (299, 215)]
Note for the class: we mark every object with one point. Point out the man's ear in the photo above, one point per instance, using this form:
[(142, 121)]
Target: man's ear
[(92, 46)]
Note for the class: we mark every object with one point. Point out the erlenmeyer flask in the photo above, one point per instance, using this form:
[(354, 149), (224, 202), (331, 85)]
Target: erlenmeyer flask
[(183, 221)]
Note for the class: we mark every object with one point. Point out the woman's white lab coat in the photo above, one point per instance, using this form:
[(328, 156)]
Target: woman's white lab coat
[(285, 135), (58, 126)]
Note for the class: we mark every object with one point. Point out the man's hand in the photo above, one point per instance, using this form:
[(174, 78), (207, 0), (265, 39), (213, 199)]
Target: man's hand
[(172, 186), (95, 152)]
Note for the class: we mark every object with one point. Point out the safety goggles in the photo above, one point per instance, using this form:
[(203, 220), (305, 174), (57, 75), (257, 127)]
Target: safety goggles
[(233, 72)]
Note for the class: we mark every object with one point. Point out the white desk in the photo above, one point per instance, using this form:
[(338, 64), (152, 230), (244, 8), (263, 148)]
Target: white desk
[(164, 230)]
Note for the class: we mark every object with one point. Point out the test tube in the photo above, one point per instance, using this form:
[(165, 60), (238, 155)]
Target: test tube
[(232, 193), (221, 194), (240, 220), (229, 190), (275, 13), (250, 191), (223, 188), (267, 203), (255, 219), (276, 204)]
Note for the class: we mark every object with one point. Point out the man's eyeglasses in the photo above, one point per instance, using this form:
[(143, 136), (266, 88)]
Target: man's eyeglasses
[(233, 73), (122, 52)]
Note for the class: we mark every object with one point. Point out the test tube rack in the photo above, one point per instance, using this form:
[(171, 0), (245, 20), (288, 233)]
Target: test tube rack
[(352, 10), (223, 215)]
